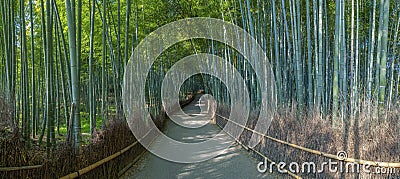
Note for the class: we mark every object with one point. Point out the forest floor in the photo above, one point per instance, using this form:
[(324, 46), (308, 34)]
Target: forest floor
[(234, 162)]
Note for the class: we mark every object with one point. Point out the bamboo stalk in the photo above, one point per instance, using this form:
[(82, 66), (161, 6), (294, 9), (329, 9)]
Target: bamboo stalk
[(69, 134)]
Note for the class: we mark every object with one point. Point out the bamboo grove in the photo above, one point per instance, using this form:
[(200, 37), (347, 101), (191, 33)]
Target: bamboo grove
[(62, 62)]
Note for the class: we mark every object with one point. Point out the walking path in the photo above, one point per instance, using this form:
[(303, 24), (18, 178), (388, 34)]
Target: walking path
[(234, 162)]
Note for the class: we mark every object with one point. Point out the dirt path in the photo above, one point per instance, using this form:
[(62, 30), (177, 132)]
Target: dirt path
[(234, 162)]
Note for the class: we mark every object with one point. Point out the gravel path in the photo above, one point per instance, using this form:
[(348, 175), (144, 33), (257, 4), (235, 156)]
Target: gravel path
[(234, 162)]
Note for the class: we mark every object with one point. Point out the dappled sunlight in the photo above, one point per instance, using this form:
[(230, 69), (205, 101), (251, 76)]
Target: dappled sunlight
[(230, 162)]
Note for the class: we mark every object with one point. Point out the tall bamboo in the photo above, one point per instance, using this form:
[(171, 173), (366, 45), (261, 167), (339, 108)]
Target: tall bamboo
[(92, 100), (384, 47), (49, 83), (371, 56), (278, 66), (309, 58), (392, 65), (33, 82), (74, 75)]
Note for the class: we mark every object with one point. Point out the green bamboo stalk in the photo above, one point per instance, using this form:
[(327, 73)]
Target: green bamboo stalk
[(6, 35), (127, 18), (335, 84), (103, 66), (33, 82), (352, 61), (299, 61), (316, 62), (278, 66), (43, 31), (371, 56), (309, 60), (343, 63), (55, 79), (393, 62), (328, 63), (24, 78), (297, 54), (65, 54), (49, 83), (90, 83), (119, 63), (62, 72), (13, 59), (357, 63), (78, 31), (74, 75), (58, 75), (383, 57), (320, 85), (378, 59)]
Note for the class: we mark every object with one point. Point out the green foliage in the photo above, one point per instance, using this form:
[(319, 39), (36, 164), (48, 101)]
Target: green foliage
[(280, 31)]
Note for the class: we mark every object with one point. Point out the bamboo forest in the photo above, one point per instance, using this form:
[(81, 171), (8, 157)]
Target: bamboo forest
[(200, 89)]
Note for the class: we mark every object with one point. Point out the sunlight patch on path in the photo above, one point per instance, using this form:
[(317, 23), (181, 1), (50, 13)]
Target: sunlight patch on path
[(234, 162)]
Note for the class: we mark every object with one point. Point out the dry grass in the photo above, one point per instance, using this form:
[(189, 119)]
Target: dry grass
[(361, 137), (62, 160)]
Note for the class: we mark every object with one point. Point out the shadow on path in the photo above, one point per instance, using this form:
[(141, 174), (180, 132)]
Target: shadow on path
[(234, 162)]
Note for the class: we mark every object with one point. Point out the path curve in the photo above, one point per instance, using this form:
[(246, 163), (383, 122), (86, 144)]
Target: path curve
[(235, 162)]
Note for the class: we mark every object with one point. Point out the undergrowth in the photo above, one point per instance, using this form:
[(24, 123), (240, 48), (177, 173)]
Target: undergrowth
[(361, 137)]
